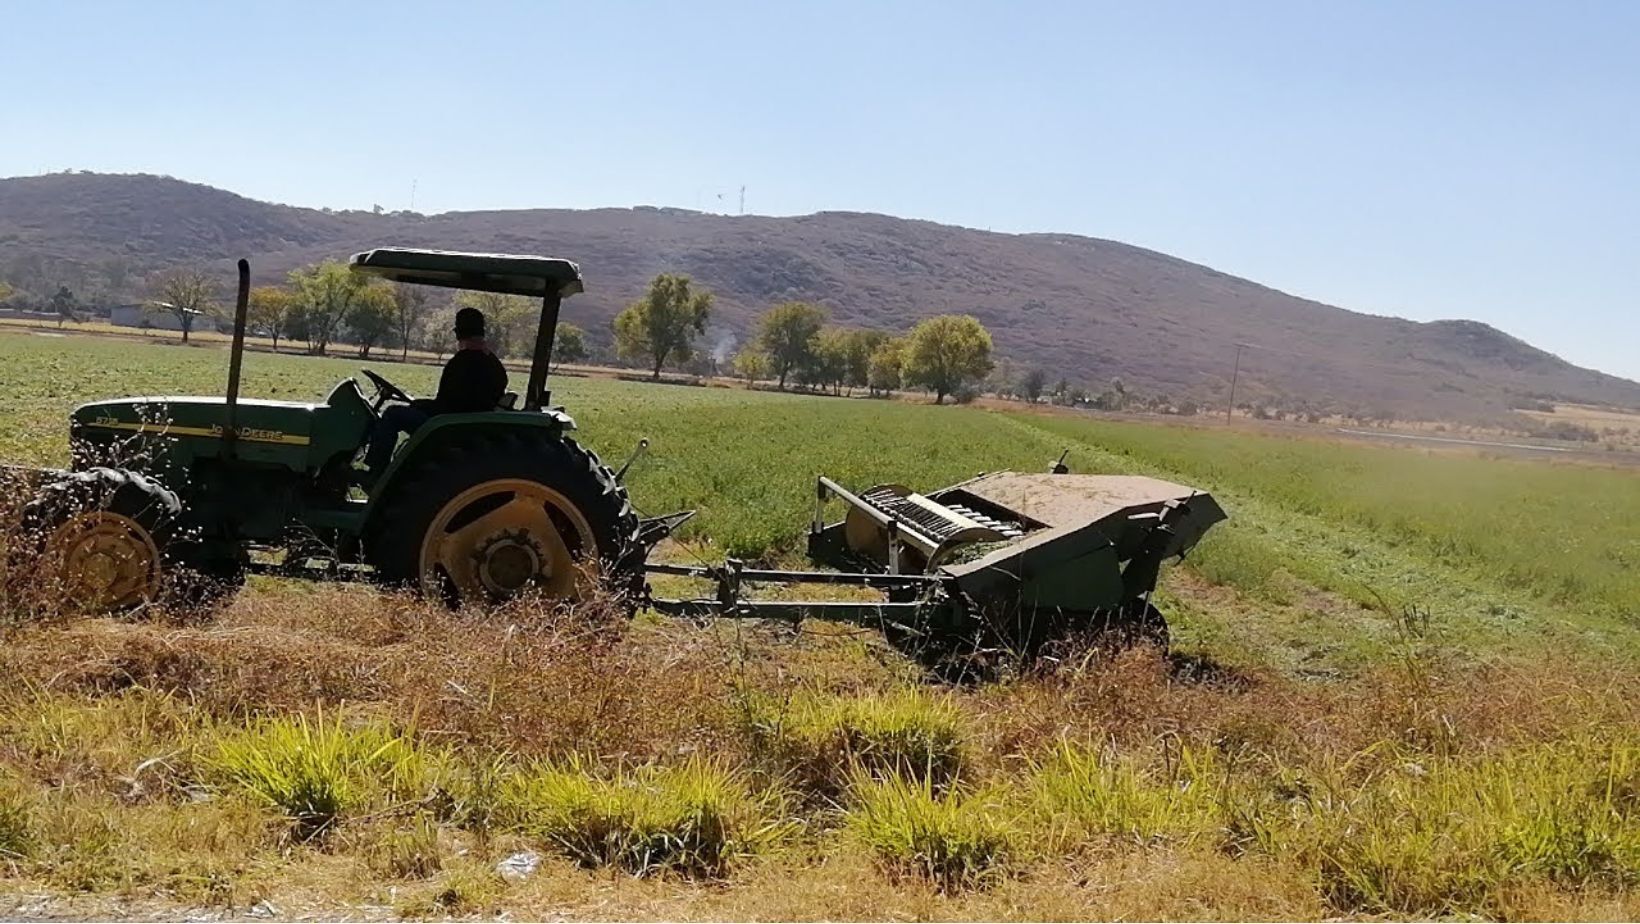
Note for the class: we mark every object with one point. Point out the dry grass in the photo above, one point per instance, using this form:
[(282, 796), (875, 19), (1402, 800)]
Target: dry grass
[(797, 775)]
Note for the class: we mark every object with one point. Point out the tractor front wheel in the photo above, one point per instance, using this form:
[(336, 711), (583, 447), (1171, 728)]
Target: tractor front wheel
[(503, 515)]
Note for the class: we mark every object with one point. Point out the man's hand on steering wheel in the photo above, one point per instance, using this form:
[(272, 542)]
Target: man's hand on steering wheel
[(385, 391)]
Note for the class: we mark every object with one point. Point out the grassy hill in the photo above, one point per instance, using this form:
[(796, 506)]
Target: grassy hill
[(1083, 308)]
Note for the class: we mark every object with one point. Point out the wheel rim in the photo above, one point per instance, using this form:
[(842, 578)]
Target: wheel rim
[(107, 560), (500, 538)]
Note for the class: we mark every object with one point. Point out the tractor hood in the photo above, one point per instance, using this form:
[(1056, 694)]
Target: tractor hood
[(292, 434), (260, 421)]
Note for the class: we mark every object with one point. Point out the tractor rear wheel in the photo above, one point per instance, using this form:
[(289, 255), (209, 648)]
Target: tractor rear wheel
[(506, 514), (104, 535)]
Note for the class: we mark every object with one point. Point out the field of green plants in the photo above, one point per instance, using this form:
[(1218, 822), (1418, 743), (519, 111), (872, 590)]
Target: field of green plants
[(1400, 686)]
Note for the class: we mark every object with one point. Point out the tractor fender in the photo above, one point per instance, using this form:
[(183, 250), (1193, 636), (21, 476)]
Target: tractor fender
[(444, 429)]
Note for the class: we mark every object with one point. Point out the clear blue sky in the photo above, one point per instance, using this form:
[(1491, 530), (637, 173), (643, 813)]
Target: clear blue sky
[(1420, 159)]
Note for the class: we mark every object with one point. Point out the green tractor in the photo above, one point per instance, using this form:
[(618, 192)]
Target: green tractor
[(178, 497)]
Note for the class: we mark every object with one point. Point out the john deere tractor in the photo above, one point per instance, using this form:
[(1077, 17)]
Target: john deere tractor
[(180, 496)]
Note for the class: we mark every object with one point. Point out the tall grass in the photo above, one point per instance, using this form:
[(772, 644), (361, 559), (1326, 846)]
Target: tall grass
[(317, 771), (953, 839), (1083, 793), (823, 740), (697, 818), (17, 822)]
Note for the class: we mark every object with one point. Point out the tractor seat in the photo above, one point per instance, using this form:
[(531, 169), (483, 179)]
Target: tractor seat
[(508, 402)]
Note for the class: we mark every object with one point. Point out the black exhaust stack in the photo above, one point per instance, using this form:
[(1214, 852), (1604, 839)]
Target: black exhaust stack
[(236, 356)]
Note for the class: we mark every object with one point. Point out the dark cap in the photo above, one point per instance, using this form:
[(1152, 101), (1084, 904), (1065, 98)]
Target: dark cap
[(469, 323)]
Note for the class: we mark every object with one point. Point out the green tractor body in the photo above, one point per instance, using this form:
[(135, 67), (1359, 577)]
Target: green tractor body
[(473, 505), (288, 471)]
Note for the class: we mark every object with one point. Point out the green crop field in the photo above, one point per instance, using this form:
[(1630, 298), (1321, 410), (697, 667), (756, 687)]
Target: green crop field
[(1373, 608)]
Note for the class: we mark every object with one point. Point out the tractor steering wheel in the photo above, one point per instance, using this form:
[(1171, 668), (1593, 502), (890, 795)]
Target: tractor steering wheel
[(385, 391)]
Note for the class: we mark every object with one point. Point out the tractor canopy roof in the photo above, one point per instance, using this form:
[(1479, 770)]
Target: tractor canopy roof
[(510, 274)]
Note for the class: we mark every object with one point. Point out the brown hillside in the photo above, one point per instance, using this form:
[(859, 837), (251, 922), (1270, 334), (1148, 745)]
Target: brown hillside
[(1085, 308)]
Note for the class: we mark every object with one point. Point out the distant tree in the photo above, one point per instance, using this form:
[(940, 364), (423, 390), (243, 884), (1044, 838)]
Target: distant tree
[(947, 352), (297, 323), (435, 334), (752, 364), (6, 291), (788, 333), (64, 305), (325, 294), (861, 344), (269, 310), (569, 343), (510, 321), (372, 316), (828, 365), (409, 311), (663, 324), (1033, 384), (1114, 398), (885, 366), (186, 294)]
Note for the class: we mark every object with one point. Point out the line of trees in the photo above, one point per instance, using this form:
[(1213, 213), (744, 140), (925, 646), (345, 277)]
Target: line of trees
[(946, 355), (327, 304), (795, 344)]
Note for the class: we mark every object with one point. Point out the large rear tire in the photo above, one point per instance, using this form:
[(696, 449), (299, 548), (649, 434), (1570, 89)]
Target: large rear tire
[(504, 514)]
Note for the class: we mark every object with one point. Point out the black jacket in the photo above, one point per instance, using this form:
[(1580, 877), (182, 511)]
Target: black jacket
[(473, 380)]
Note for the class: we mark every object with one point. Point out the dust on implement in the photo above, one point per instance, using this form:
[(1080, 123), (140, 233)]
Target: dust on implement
[(175, 499)]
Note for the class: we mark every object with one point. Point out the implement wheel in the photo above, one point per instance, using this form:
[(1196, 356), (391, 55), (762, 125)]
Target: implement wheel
[(505, 514), (103, 536)]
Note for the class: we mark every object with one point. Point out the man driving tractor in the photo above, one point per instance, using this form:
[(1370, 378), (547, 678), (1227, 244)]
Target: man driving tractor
[(473, 380)]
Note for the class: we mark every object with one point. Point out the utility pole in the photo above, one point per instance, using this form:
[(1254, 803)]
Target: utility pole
[(742, 200), (1231, 407)]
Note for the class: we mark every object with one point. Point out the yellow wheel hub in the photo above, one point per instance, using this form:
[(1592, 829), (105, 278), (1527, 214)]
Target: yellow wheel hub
[(107, 560), (500, 538)]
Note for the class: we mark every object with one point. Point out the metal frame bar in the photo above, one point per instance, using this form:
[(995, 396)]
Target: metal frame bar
[(536, 394), (835, 610), (757, 575), (728, 601)]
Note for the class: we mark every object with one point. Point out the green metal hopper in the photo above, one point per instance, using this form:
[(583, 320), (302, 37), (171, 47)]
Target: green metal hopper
[(1004, 561)]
